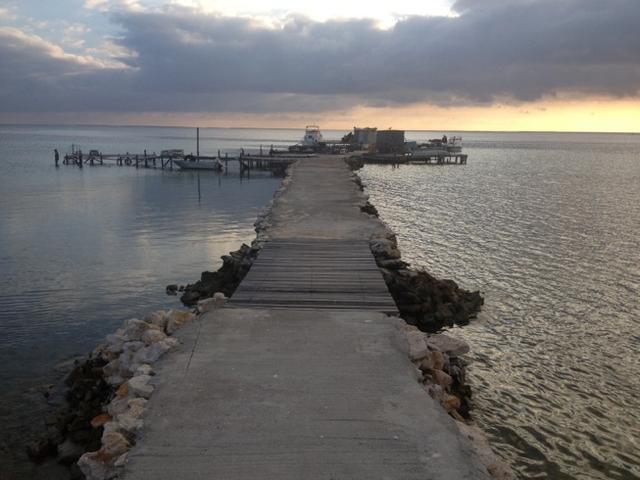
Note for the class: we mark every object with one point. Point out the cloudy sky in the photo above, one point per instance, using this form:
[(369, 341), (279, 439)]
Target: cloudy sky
[(439, 64)]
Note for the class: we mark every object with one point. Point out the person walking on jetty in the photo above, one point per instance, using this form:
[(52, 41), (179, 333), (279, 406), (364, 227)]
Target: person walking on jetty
[(56, 156)]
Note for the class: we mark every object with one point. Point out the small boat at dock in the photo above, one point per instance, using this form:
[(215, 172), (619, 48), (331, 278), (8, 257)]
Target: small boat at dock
[(194, 163), (450, 145)]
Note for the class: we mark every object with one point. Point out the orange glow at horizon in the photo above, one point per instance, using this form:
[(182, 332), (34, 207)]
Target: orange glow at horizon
[(591, 115), (595, 115)]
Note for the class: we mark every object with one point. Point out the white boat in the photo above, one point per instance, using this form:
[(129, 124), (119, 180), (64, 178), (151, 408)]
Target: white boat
[(312, 136), (451, 145), (200, 164), (312, 142)]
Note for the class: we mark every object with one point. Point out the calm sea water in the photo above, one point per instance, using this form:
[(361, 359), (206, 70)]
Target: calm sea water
[(548, 227), (82, 250)]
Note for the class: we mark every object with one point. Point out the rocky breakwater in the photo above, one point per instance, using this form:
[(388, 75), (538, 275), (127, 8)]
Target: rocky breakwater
[(427, 302), (107, 394), (439, 360), (428, 305), (423, 300), (439, 357), (226, 279)]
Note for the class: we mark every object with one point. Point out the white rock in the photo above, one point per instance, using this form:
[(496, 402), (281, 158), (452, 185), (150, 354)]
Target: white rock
[(206, 305), (144, 369), (152, 336), (158, 318), (93, 468), (140, 386), (176, 319), (114, 343), (131, 419), (133, 328), (417, 347), (110, 426), (453, 347), (132, 346), (220, 299), (127, 364), (129, 423), (113, 445), (137, 405), (151, 353), (117, 406)]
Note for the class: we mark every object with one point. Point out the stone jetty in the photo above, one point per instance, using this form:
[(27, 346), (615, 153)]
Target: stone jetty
[(302, 374)]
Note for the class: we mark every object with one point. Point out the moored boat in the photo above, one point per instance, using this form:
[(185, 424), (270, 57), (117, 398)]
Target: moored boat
[(451, 144), (199, 164), (313, 141)]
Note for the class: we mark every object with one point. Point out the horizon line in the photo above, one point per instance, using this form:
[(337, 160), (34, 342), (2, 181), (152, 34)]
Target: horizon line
[(26, 124)]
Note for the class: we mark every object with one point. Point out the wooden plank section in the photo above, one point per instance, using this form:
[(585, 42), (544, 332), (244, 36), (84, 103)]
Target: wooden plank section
[(315, 274)]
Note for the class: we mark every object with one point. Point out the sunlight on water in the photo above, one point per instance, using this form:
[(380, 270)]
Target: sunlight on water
[(548, 227)]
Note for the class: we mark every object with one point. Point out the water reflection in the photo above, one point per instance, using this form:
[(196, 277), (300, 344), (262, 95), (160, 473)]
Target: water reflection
[(83, 249), (550, 233)]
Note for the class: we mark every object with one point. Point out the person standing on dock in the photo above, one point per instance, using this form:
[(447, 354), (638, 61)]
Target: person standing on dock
[(56, 156)]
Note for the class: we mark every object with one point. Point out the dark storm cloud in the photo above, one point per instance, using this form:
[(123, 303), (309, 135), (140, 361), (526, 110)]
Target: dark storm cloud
[(186, 61)]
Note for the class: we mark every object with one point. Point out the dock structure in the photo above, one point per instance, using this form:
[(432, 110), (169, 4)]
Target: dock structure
[(435, 157), (315, 274), (137, 160), (273, 163), (302, 375)]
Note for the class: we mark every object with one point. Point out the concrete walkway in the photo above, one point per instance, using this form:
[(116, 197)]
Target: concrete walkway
[(314, 393)]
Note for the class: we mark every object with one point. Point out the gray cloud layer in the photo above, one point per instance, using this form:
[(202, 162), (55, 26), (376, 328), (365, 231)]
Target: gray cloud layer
[(186, 61)]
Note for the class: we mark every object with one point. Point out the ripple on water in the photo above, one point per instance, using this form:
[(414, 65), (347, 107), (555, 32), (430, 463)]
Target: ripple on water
[(551, 236)]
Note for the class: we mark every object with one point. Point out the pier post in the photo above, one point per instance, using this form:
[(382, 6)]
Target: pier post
[(198, 142)]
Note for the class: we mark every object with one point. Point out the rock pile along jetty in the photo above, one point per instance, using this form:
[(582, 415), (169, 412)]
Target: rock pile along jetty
[(107, 393)]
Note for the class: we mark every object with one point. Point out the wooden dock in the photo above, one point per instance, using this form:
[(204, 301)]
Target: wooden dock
[(273, 163), (317, 274), (435, 157)]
